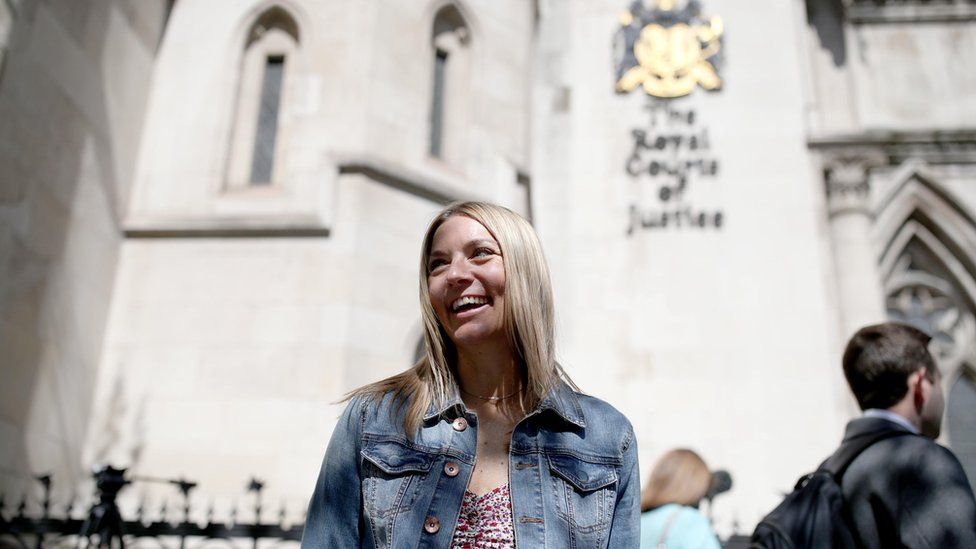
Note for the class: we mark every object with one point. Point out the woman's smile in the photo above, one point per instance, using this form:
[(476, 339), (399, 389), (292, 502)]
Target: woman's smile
[(468, 302)]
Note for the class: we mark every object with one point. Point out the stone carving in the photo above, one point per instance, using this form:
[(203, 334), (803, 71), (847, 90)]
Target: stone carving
[(847, 179), (918, 297), (668, 51)]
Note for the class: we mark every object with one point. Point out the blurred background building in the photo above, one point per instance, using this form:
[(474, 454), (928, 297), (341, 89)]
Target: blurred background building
[(211, 214)]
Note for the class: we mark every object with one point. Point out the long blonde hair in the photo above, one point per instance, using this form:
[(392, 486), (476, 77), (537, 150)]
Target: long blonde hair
[(529, 319), (679, 476)]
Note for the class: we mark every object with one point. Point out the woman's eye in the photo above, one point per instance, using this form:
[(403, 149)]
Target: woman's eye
[(435, 264), (483, 252)]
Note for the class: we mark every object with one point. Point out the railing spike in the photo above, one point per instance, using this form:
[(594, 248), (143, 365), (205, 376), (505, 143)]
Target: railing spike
[(23, 505), (70, 507), (141, 509), (256, 486), (45, 481)]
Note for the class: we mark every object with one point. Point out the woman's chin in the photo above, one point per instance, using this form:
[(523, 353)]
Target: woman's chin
[(476, 336)]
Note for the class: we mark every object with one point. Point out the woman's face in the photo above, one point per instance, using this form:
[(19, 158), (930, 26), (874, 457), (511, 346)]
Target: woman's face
[(466, 282)]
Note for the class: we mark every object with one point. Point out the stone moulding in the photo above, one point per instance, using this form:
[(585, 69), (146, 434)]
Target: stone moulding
[(226, 227), (934, 147), (430, 184), (889, 11)]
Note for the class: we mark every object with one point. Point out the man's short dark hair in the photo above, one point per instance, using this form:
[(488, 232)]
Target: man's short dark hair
[(879, 359)]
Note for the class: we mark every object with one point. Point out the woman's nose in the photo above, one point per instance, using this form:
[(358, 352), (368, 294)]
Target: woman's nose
[(458, 271)]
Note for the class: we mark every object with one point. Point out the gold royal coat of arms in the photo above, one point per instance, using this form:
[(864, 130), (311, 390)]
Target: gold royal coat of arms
[(668, 51)]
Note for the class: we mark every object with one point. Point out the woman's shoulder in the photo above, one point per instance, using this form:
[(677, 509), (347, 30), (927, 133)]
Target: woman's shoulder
[(693, 516), (601, 412), (371, 402), (657, 513), (587, 426), (688, 527)]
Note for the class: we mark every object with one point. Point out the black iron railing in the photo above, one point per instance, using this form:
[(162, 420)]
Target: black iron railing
[(104, 525)]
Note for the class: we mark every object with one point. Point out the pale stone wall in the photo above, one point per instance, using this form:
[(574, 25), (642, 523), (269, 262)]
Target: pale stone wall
[(916, 75), (907, 74), (361, 90), (825, 50), (225, 357), (719, 340), (73, 83)]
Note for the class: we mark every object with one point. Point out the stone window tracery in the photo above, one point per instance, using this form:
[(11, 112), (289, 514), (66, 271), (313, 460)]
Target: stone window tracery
[(922, 293)]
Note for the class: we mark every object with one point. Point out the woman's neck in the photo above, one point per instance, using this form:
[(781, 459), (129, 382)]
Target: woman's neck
[(490, 373)]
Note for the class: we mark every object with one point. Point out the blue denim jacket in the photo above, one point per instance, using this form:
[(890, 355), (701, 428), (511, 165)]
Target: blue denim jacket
[(573, 477)]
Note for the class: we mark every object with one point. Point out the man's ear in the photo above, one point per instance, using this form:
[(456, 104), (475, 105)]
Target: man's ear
[(917, 388)]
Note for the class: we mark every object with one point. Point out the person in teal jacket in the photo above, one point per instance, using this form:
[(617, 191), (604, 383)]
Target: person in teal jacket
[(670, 517)]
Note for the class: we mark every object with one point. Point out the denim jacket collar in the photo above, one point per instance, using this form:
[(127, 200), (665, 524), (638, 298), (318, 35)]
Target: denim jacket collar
[(561, 400)]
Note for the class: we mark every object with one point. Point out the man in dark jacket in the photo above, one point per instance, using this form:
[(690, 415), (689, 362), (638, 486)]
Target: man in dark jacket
[(905, 490)]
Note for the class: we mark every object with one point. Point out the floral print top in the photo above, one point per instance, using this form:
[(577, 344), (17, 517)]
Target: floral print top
[(485, 521)]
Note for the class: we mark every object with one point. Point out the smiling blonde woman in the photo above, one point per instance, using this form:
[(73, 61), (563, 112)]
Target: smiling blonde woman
[(485, 442)]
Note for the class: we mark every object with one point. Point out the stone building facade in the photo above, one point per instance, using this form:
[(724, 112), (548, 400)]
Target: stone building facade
[(74, 85), (212, 210)]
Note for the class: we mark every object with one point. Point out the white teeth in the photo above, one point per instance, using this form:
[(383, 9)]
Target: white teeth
[(468, 300)]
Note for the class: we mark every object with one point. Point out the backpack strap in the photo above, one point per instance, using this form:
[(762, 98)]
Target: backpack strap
[(844, 456), (662, 539)]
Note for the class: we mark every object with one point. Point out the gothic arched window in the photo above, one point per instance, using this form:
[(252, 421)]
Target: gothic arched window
[(450, 89), (962, 421), (930, 278), (270, 48)]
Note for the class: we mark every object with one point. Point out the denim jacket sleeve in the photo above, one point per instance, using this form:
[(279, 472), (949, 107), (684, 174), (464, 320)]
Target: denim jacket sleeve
[(625, 527), (334, 516)]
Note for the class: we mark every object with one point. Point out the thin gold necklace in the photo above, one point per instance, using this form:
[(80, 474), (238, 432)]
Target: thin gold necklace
[(492, 399)]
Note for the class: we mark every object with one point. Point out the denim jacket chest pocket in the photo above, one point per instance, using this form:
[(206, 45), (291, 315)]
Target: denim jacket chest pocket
[(585, 493), (392, 475)]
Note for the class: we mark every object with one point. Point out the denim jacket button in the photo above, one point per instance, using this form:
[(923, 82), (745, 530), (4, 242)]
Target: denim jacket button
[(460, 424), (451, 469), (432, 525)]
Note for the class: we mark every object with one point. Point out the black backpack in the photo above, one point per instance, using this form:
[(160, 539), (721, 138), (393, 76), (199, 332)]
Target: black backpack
[(811, 516)]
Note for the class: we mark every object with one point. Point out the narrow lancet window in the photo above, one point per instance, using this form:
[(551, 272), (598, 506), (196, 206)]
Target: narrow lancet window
[(449, 101), (264, 139), (437, 104), (262, 123)]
